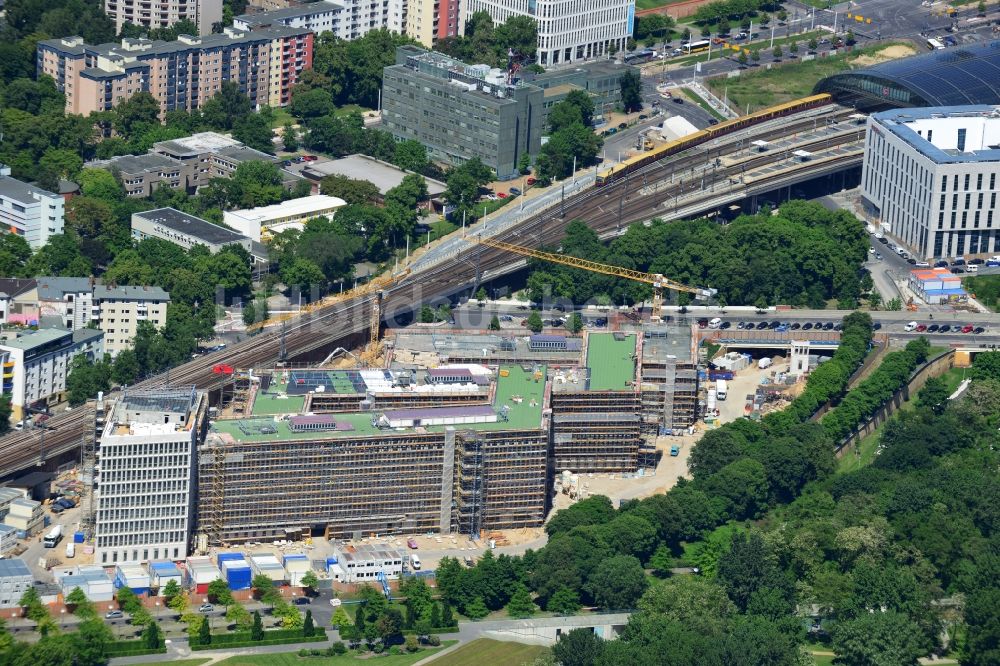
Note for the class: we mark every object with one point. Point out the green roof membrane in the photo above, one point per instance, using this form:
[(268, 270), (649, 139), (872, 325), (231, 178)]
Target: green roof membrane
[(611, 362), (520, 391)]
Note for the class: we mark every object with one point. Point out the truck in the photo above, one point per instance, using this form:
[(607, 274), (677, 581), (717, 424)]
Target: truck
[(70, 550), (53, 537), (414, 561), (720, 389), (714, 374)]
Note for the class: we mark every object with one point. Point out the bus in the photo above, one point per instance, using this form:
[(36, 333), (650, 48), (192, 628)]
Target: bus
[(697, 47), (53, 537), (645, 55), (934, 44)]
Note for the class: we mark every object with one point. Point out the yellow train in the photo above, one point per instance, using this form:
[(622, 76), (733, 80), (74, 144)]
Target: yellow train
[(707, 134)]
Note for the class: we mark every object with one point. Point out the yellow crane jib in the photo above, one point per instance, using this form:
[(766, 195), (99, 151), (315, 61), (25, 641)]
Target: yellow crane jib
[(659, 282)]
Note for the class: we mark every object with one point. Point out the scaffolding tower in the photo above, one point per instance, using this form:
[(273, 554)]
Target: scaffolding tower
[(88, 469)]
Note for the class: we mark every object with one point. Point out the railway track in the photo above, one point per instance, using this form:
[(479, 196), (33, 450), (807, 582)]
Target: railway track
[(602, 208)]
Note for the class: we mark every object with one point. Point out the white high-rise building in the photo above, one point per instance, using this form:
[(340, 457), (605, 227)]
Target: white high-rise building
[(930, 179), (164, 13), (146, 483), (29, 211), (568, 30)]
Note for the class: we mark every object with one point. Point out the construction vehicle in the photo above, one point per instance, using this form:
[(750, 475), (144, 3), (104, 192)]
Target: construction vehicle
[(658, 281)]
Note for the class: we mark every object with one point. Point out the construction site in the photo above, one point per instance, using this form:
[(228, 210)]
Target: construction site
[(455, 433)]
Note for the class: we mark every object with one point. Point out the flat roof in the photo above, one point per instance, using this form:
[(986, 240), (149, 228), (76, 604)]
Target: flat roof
[(300, 207), (138, 163), (381, 174), (901, 122), (21, 192), (202, 142), (519, 391), (31, 339), (14, 567), (285, 13), (193, 226), (611, 359)]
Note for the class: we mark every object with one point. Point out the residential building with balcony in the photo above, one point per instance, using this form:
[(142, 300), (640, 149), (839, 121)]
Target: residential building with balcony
[(182, 74), (29, 211), (164, 13)]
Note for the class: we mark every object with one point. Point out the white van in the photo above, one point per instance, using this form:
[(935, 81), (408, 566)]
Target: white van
[(715, 323), (414, 562), (70, 550), (910, 327)]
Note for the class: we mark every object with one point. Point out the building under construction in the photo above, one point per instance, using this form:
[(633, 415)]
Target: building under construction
[(459, 433), (280, 472), (669, 372)]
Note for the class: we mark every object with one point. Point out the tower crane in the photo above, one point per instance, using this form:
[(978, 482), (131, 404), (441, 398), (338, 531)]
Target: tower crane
[(659, 282)]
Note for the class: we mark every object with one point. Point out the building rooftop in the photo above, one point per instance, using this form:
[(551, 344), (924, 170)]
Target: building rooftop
[(381, 174), (31, 339), (133, 164), (520, 390), (286, 13), (12, 188), (196, 144), (139, 293), (55, 288), (14, 567), (611, 360), (16, 286), (300, 207), (196, 227), (935, 131)]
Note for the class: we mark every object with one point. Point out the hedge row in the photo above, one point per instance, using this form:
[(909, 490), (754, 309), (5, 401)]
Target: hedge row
[(442, 630), (267, 641), (870, 395), (134, 652)]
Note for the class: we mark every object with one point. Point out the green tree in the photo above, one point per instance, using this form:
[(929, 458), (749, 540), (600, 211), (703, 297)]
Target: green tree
[(494, 323), (793, 48), (776, 52), (204, 633), (447, 617), (310, 582), (152, 638), (574, 323), (249, 313), (564, 601), (239, 615), (618, 582), (578, 647), (749, 566), (124, 371), (90, 643), (351, 190), (482, 296), (524, 164), (521, 605), (934, 395), (427, 315), (476, 609), (178, 603), (982, 621), (127, 600), (743, 58), (850, 39), (534, 322), (894, 304), (226, 107), (878, 639), (6, 411), (755, 55), (340, 618), (100, 184), (257, 630), (137, 114), (308, 629), (218, 592), (289, 139), (813, 44)]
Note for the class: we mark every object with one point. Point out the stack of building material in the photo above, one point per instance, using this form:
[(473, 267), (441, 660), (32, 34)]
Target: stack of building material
[(162, 572), (8, 539), (236, 570), (297, 565), (133, 576), (25, 516), (201, 571)]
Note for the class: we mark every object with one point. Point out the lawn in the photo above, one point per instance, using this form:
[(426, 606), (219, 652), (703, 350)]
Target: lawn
[(697, 99), (801, 39), (487, 651), (986, 289), (292, 659), (823, 659), (652, 4), (280, 116), (179, 662), (759, 88)]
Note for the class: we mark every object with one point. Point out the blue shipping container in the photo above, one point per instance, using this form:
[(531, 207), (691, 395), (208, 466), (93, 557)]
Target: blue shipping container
[(226, 557), (238, 578), (293, 558), (331, 560), (77, 537)]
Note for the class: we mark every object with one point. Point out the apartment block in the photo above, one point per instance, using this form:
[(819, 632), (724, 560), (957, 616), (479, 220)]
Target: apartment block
[(36, 363), (181, 75), (568, 30), (428, 21), (320, 17), (19, 301), (461, 111), (929, 179), (147, 476), (164, 13), (120, 309), (29, 211)]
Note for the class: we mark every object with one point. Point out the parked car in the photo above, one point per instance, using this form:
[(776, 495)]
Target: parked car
[(878, 256), (675, 451), (828, 326), (530, 181), (808, 326), (309, 158), (501, 195), (114, 615), (795, 326), (411, 543), (761, 326), (921, 328), (206, 608), (877, 325), (968, 328), (978, 330), (726, 324), (622, 126), (515, 190), (57, 508), (910, 327), (302, 601), (933, 328), (944, 328)]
